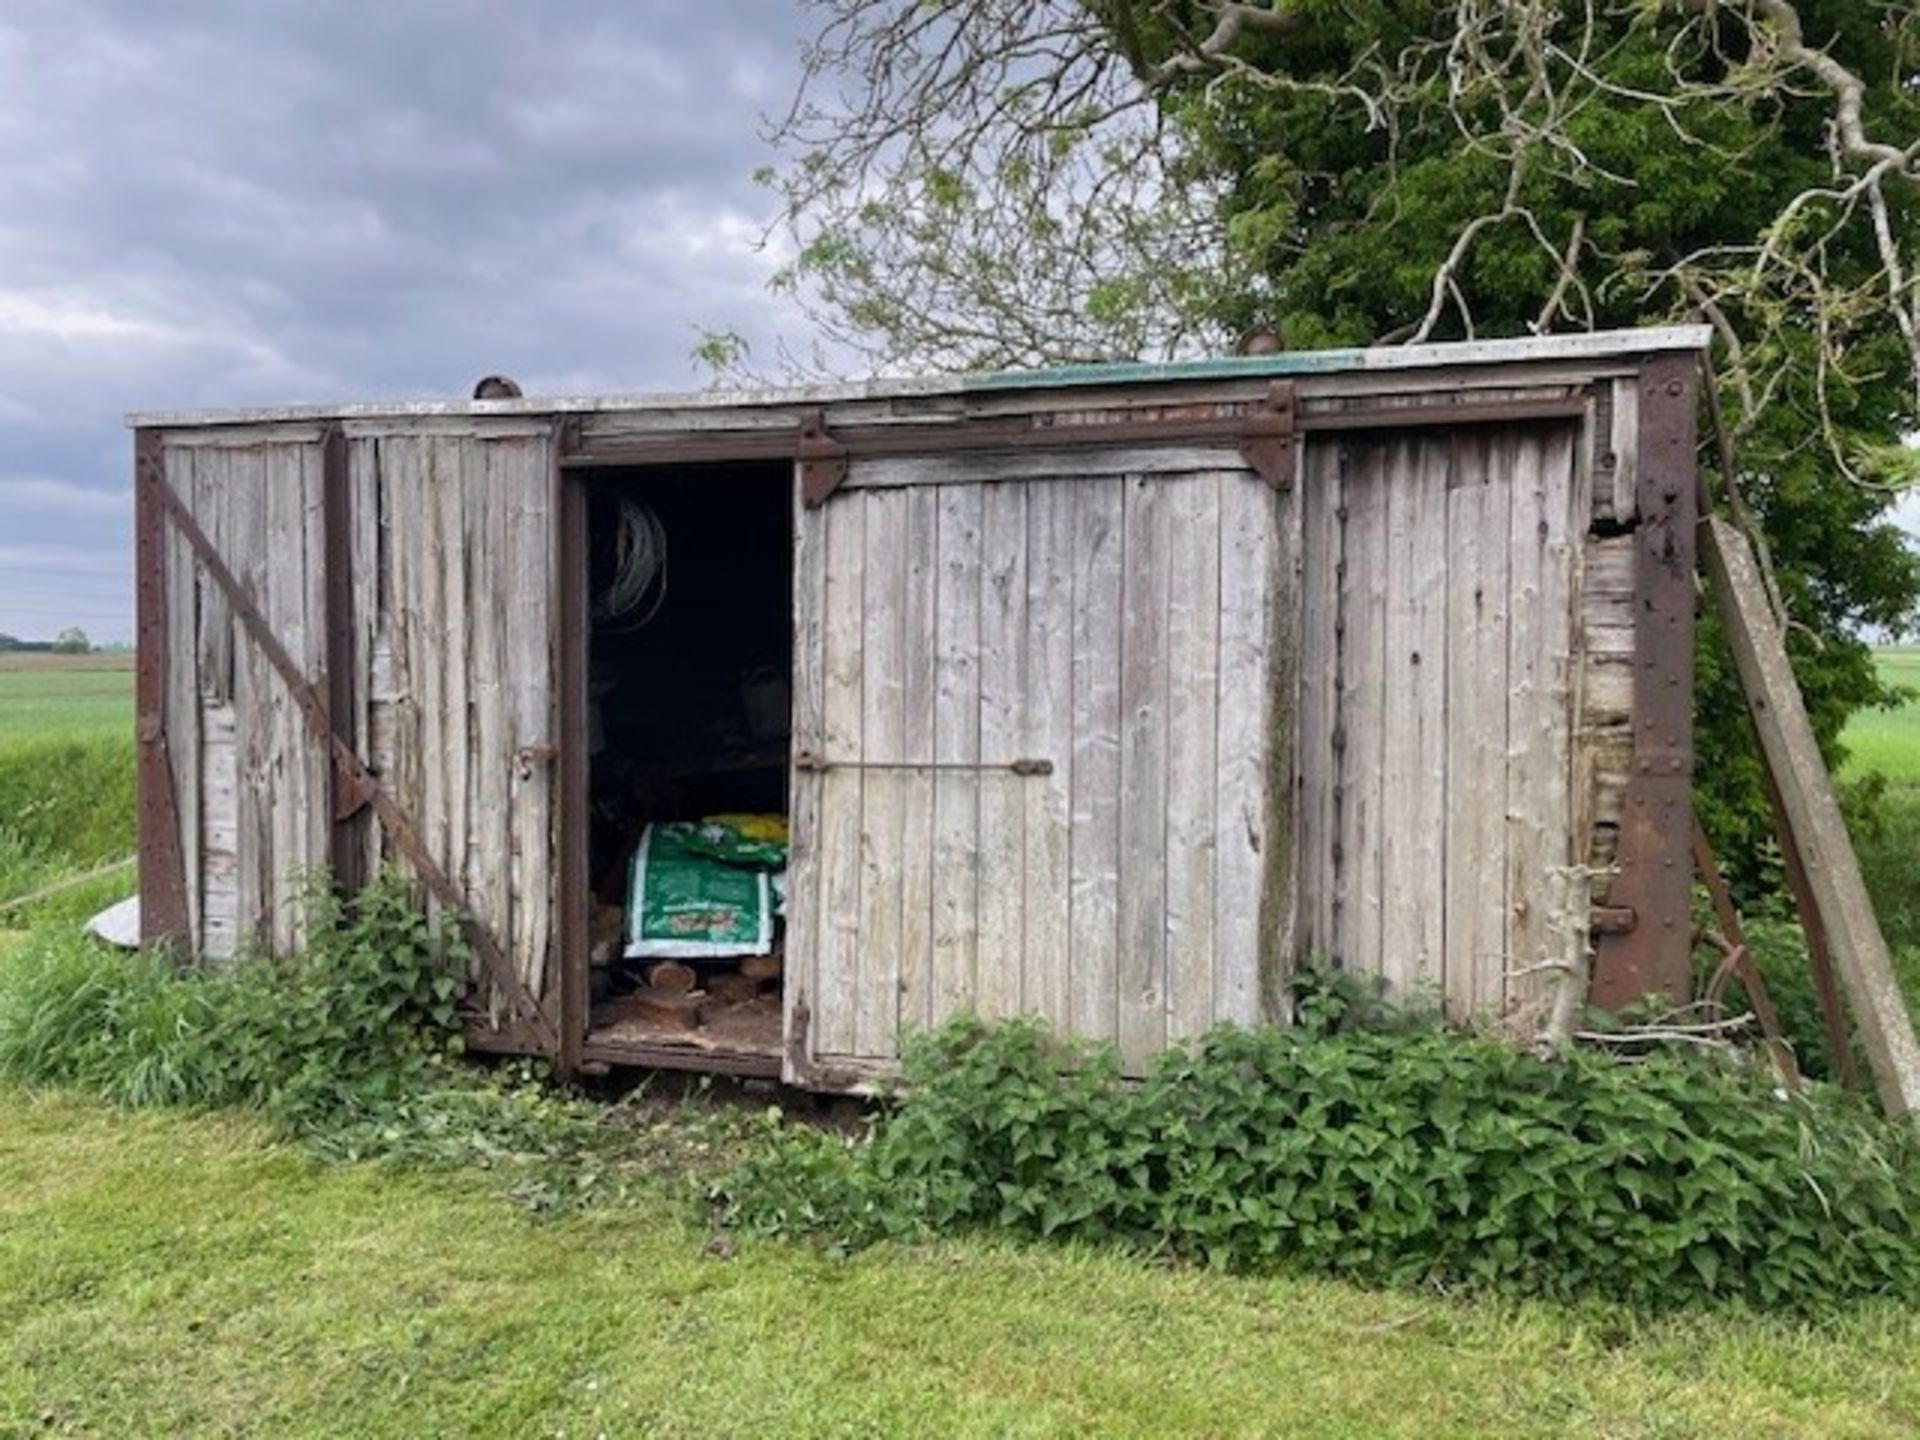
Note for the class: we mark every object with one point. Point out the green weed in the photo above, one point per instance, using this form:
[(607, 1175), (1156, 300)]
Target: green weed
[(1410, 1159)]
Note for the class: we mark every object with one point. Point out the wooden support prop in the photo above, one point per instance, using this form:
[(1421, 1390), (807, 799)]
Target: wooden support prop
[(1825, 987), (1790, 751), (314, 710)]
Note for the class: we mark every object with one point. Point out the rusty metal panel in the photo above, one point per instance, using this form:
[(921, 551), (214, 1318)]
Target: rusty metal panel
[(164, 916), (1654, 872)]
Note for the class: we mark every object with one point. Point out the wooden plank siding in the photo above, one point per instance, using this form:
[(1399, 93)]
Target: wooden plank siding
[(1118, 628), (1438, 675), (1369, 718), (449, 550)]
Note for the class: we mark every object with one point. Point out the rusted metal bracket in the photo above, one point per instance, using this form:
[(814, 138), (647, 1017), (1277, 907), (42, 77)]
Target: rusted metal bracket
[(314, 710), (823, 460), (1267, 437), (1612, 919), (350, 797)]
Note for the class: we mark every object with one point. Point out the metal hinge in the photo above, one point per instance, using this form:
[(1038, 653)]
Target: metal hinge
[(1267, 439), (823, 460)]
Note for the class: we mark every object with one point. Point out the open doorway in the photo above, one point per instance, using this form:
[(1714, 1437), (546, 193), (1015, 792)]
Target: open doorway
[(689, 680)]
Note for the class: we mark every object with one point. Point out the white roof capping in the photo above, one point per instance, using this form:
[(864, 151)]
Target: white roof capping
[(1590, 345)]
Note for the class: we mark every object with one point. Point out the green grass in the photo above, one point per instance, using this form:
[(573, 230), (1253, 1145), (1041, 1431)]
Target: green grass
[(168, 1274), (1887, 742), (86, 698)]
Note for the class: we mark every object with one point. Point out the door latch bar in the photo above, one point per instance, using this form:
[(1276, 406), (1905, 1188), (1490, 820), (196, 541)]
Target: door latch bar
[(1024, 767)]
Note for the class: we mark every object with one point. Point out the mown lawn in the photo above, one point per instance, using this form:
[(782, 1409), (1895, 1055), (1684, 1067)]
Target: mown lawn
[(168, 1274)]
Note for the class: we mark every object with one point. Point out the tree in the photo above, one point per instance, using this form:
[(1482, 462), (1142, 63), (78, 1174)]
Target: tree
[(71, 641), (985, 183)]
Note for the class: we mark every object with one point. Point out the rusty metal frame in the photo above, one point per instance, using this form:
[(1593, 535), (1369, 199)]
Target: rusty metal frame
[(1653, 875), (313, 708), (1265, 432), (346, 855), (165, 918), (570, 773)]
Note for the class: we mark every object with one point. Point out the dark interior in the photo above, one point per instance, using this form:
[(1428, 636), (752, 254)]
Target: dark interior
[(689, 701)]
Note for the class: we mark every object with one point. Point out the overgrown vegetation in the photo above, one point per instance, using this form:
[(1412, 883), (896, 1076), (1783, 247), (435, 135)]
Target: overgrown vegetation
[(1369, 1145), (66, 806), (353, 1045), (1416, 1158), (356, 1019), (70, 797)]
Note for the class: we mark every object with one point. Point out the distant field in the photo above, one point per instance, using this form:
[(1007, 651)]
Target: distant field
[(46, 660), (69, 697), (1888, 741)]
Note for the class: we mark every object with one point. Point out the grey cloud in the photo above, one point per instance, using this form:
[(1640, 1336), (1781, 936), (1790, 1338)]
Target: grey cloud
[(21, 493), (211, 203)]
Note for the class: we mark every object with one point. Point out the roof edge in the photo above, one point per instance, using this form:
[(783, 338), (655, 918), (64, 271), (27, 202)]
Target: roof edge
[(1589, 345)]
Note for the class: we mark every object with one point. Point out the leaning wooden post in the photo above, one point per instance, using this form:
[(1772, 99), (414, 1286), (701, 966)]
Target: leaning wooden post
[(1790, 751)]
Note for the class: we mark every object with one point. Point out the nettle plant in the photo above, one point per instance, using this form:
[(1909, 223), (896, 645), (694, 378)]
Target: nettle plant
[(357, 1017), (1410, 1157)]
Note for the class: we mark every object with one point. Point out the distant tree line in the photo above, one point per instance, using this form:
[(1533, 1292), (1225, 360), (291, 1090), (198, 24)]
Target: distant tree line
[(70, 641)]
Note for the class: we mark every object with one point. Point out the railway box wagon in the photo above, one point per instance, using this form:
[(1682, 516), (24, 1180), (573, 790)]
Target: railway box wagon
[(1109, 694)]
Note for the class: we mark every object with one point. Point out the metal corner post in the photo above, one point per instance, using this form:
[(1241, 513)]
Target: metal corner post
[(1654, 879), (346, 852), (571, 826), (164, 916)]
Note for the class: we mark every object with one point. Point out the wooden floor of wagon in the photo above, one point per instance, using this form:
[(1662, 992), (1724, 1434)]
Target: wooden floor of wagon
[(738, 1037)]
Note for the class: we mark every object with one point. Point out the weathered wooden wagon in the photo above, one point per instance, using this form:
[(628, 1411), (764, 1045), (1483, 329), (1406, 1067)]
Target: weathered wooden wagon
[(1116, 693)]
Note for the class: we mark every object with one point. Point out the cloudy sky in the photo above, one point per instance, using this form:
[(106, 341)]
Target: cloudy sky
[(208, 203), (211, 202)]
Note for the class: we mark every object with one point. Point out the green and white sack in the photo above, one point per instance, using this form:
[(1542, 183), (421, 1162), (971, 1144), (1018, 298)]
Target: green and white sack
[(684, 905)]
